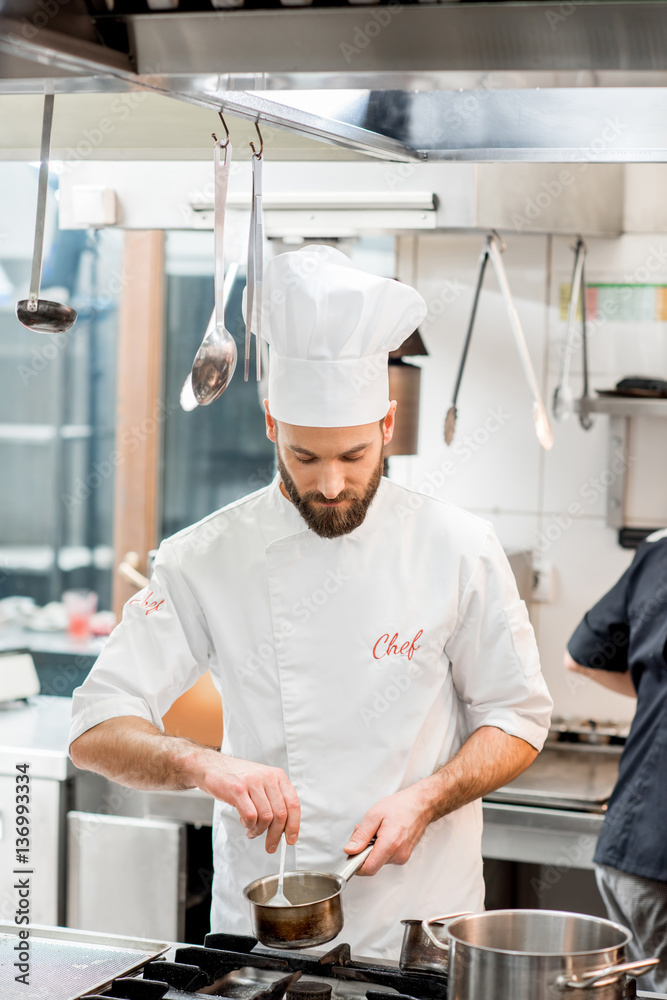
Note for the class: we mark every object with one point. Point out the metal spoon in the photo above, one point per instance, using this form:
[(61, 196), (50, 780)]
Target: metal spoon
[(188, 398), (215, 361), (43, 316), (280, 899)]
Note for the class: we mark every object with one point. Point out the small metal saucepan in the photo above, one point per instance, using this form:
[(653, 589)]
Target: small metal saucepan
[(418, 953), (316, 913)]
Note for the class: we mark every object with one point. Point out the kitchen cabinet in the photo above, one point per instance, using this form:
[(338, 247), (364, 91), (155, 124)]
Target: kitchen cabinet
[(126, 875), (101, 861), (31, 734)]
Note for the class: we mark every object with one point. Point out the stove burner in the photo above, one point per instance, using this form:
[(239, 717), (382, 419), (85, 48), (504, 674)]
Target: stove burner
[(309, 989), (236, 968)]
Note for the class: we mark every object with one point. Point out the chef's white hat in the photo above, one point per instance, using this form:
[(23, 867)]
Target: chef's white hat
[(330, 328)]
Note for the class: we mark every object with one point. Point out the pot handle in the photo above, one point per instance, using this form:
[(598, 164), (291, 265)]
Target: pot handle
[(354, 862), (426, 927), (603, 977)]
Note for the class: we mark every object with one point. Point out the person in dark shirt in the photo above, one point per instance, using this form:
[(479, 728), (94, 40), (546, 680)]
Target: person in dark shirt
[(622, 644)]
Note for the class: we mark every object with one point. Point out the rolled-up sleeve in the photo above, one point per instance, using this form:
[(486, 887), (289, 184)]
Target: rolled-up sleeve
[(158, 650), (493, 653)]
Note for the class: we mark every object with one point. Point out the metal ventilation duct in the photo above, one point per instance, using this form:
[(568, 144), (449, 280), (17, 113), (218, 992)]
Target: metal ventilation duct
[(420, 81)]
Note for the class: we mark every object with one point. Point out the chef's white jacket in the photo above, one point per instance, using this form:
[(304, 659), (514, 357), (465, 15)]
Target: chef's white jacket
[(357, 664)]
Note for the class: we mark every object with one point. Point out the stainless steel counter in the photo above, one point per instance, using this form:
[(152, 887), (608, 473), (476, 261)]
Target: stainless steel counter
[(58, 643), (36, 731), (535, 835), (552, 813)]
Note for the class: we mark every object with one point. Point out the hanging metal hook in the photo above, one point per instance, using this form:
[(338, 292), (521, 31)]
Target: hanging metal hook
[(224, 125), (500, 242), (261, 146)]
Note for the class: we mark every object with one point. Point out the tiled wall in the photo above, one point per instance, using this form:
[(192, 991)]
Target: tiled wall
[(552, 503)]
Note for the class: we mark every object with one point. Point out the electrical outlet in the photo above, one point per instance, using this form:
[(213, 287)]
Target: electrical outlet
[(543, 582)]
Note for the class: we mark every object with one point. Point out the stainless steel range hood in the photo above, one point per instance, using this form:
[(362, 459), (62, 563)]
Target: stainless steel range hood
[(461, 81)]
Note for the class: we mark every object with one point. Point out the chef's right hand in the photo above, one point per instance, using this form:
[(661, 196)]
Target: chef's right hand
[(264, 797)]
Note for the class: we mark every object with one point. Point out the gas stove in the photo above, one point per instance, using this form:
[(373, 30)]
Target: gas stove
[(233, 966)]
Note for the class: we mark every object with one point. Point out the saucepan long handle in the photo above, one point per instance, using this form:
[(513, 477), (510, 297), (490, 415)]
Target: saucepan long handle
[(352, 864), (603, 977)]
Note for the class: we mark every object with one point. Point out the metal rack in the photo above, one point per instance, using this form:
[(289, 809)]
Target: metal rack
[(620, 411)]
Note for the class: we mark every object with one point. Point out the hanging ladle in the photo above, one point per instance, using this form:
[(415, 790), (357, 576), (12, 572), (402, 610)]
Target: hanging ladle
[(34, 313), (215, 361)]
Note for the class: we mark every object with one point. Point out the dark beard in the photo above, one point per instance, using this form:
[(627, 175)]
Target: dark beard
[(331, 522)]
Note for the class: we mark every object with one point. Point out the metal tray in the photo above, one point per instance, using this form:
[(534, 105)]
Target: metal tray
[(581, 778), (66, 963)]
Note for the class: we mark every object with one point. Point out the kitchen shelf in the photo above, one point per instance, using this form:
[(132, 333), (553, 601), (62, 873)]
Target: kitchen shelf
[(620, 410), (41, 558), (43, 433), (619, 406)]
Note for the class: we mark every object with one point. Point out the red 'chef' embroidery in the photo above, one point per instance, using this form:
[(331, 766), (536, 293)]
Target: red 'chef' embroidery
[(147, 603), (386, 646)]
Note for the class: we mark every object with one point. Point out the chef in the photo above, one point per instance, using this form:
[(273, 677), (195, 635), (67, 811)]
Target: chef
[(621, 643), (377, 669)]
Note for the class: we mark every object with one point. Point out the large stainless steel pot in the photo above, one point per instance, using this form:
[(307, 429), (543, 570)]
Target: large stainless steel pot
[(316, 913), (534, 955)]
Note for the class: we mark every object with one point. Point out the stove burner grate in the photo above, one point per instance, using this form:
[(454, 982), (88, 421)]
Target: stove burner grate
[(232, 966)]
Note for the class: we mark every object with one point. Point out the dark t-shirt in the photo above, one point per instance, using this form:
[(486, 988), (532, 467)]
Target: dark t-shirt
[(627, 630)]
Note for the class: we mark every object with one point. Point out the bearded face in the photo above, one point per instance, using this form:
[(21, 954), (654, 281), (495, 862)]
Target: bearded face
[(330, 517)]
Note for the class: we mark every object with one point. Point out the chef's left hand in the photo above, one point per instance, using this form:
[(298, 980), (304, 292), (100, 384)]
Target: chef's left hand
[(398, 821)]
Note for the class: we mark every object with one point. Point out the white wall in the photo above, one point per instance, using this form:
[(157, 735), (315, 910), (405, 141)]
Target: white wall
[(551, 503)]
